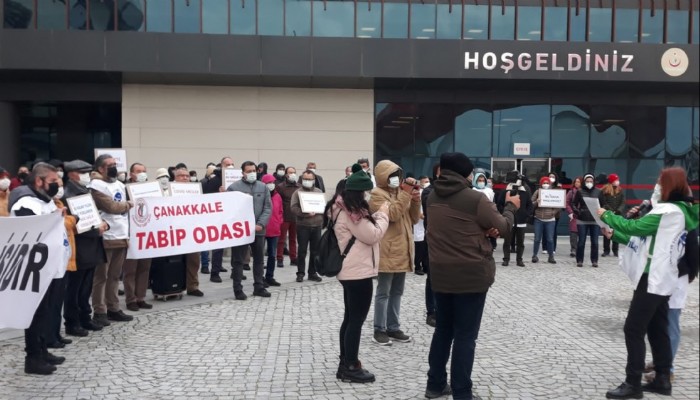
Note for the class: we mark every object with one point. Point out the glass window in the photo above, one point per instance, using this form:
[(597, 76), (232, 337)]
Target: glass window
[(215, 16), (449, 20), (187, 16), (271, 17), (159, 16), (677, 27), (395, 125), (529, 23), (298, 18), (434, 129), (679, 131), (578, 24), (476, 20), (395, 20), (19, 14), (77, 14), (242, 17), (422, 20), (609, 132), (555, 23), (524, 124), (101, 15), (653, 23), (369, 20), (600, 25), (603, 167), (334, 19), (647, 131), (696, 27), (473, 130), (571, 129), (502, 22), (627, 22), (569, 168), (642, 172), (131, 16)]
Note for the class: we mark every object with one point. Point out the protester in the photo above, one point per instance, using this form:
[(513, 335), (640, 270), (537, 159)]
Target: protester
[(573, 222), (515, 183), (286, 189), (419, 244), (309, 226), (204, 256), (262, 170), (280, 173), (22, 174), (655, 245), (318, 180), (215, 185), (262, 209), (612, 198), (481, 185), (191, 259), (364, 163), (35, 198), (554, 183), (4, 192), (348, 171), (396, 248), (273, 229), (545, 223), (586, 225), (110, 198), (353, 220), (163, 179), (462, 270)]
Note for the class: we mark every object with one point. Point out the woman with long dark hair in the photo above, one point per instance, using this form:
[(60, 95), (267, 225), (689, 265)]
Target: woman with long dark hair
[(349, 216), (612, 198)]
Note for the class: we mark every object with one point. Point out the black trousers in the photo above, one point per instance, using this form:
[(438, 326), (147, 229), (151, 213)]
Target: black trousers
[(55, 307), (357, 295), (517, 234), (648, 315), (239, 254), (420, 258), (76, 306), (606, 246), (37, 335), (307, 237)]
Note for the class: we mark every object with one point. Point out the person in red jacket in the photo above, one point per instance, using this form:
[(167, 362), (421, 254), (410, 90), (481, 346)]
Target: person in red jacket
[(273, 229)]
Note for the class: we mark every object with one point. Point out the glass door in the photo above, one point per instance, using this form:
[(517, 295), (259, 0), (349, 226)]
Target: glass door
[(500, 167), (534, 169)]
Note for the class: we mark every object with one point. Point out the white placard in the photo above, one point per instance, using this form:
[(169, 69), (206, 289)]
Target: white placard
[(39, 249), (165, 226), (119, 156), (185, 188), (230, 175), (521, 149), (84, 208), (312, 202), (553, 198), (144, 189), (593, 205)]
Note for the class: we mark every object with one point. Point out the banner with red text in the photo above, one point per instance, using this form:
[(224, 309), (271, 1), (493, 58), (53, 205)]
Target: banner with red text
[(164, 226)]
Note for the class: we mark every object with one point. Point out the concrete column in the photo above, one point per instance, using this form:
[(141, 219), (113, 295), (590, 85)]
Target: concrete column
[(9, 137)]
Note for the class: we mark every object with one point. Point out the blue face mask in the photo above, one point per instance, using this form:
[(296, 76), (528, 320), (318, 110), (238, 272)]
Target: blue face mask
[(480, 185)]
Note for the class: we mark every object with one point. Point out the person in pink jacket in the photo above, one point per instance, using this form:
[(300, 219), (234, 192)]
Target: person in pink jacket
[(273, 230), (350, 211)]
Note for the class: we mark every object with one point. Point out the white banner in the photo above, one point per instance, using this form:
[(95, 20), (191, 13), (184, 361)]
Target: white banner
[(33, 252), (119, 157), (144, 189), (167, 226), (230, 175), (84, 208), (185, 188), (312, 202), (554, 198)]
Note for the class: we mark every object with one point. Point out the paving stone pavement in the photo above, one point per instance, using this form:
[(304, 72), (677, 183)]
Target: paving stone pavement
[(548, 332)]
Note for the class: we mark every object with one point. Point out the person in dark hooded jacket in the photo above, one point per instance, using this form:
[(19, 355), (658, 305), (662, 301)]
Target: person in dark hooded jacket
[(514, 180), (586, 223)]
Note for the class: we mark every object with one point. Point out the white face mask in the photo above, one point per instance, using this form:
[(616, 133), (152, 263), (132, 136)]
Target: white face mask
[(518, 182), (4, 184), (394, 182), (426, 184), (59, 194), (121, 177), (616, 183), (656, 196), (307, 183), (60, 174), (85, 178), (312, 170), (366, 170), (141, 177), (251, 177), (270, 186), (163, 181), (489, 185), (552, 179), (193, 179), (280, 172), (480, 185), (545, 186), (589, 185), (292, 178)]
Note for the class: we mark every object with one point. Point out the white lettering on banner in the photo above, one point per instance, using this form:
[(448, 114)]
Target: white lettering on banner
[(164, 226), (32, 254), (596, 62)]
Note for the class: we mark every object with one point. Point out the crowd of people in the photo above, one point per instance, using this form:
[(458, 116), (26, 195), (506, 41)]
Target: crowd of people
[(380, 219)]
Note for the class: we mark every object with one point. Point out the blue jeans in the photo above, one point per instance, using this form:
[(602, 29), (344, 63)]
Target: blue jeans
[(674, 330), (546, 227), (458, 321), (205, 259), (271, 257), (387, 302), (587, 230)]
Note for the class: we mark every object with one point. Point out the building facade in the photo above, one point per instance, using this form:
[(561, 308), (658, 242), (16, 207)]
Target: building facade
[(570, 86)]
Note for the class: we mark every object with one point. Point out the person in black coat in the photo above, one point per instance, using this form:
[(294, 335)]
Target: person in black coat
[(215, 185), (515, 182), (586, 223)]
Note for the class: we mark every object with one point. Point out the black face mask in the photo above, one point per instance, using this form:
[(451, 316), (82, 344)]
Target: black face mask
[(112, 172), (52, 190), (22, 175)]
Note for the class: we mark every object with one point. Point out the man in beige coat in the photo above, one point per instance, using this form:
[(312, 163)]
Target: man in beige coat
[(396, 256)]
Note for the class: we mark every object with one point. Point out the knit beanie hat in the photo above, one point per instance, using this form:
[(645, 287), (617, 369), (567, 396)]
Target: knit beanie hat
[(612, 178), (359, 181), (545, 179), (268, 178), (588, 176), (456, 162)]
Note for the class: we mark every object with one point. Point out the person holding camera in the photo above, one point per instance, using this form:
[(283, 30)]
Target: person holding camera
[(515, 186)]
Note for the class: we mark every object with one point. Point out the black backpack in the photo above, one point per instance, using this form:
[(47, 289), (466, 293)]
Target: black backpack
[(329, 260)]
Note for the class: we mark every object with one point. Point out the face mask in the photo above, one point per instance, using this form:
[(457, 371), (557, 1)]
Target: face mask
[(552, 179), (545, 186), (193, 179), (4, 184), (426, 184), (616, 183), (121, 177), (141, 177), (656, 196), (280, 172), (489, 185), (589, 185), (59, 194), (394, 182), (292, 178), (60, 174), (312, 170), (52, 190), (112, 172), (163, 181), (518, 182), (251, 177), (366, 170), (85, 178), (480, 185), (307, 183), (23, 175), (270, 186), (368, 195)]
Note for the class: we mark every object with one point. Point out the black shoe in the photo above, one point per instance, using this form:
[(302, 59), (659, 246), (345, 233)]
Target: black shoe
[(520, 263), (280, 264), (272, 282), (341, 368), (261, 293), (56, 345), (661, 385), (356, 374), (240, 296), (132, 307), (91, 326), (118, 316), (76, 331), (300, 278), (37, 366), (64, 340), (625, 391), (120, 292), (595, 265), (446, 391), (52, 359), (205, 270), (196, 293), (144, 305), (101, 319), (430, 320), (222, 269), (605, 254), (215, 278), (505, 263), (246, 267), (285, 251), (572, 254), (419, 271), (551, 260), (266, 285), (242, 277), (317, 278), (615, 254), (535, 260), (293, 262)]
